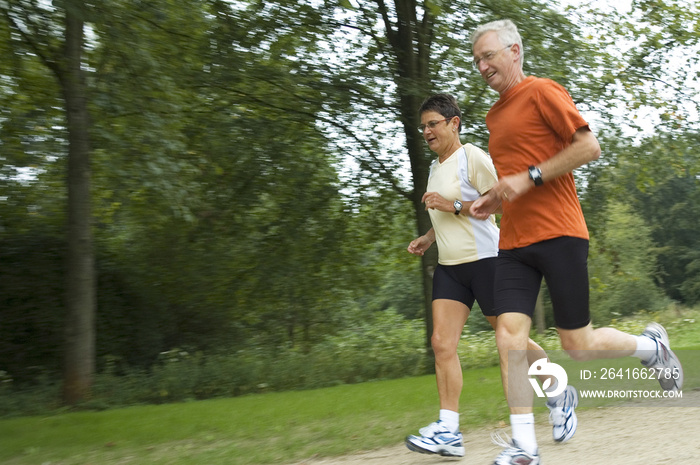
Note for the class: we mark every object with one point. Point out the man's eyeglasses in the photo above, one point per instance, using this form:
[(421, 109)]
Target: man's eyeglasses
[(431, 124), (488, 56)]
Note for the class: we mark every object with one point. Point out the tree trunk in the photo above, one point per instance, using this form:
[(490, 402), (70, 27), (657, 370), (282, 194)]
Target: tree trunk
[(410, 40), (420, 167), (428, 264), (79, 355)]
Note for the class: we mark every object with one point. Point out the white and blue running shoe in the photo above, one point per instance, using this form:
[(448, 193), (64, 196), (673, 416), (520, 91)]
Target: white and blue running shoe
[(437, 439), (562, 414), (512, 453), (668, 368)]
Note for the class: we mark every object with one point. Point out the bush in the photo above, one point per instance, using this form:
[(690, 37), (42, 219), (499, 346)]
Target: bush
[(41, 397), (383, 347), (622, 267), (478, 350)]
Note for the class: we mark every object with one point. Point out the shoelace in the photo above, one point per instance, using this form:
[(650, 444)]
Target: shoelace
[(660, 355), (498, 439), (556, 412), (557, 416), (509, 447), (431, 429)]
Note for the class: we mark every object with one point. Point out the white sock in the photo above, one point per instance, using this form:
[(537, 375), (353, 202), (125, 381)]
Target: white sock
[(646, 348), (451, 419), (523, 426), (552, 388)]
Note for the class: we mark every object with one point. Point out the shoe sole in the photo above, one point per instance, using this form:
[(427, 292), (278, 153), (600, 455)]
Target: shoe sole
[(442, 450), (571, 432), (667, 384)]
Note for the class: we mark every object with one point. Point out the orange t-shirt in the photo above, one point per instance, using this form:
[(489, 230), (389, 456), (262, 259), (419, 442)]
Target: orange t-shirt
[(529, 124)]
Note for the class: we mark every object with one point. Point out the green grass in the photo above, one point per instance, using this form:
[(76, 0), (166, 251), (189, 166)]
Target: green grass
[(293, 426)]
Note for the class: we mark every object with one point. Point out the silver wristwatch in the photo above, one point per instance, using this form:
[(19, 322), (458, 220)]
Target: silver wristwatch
[(458, 206)]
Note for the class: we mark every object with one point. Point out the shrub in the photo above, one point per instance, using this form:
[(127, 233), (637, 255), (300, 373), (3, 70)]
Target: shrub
[(385, 346), (382, 347), (478, 350)]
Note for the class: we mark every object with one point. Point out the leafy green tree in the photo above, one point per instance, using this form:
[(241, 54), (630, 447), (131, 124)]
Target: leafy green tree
[(657, 180), (256, 169), (384, 58), (218, 208), (623, 266), (56, 37), (242, 191), (672, 208)]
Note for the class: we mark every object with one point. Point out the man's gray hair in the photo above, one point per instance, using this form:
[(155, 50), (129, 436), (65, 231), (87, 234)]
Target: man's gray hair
[(507, 33)]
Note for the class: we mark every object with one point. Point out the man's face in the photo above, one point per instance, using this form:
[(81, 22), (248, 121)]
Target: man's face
[(498, 63)]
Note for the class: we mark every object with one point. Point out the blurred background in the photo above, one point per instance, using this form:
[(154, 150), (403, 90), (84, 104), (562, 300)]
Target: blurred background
[(206, 198)]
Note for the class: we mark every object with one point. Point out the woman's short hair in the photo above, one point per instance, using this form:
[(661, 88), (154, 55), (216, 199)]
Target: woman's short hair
[(444, 104)]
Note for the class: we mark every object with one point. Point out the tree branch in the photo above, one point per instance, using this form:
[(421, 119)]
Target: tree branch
[(374, 166), (50, 62)]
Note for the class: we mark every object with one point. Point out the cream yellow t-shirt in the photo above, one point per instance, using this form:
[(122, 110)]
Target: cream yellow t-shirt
[(465, 175)]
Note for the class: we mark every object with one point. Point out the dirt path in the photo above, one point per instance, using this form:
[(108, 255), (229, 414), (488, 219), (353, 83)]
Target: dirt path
[(605, 436)]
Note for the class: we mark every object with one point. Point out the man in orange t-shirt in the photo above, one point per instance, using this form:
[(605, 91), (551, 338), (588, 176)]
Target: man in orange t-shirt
[(522, 137), (537, 138)]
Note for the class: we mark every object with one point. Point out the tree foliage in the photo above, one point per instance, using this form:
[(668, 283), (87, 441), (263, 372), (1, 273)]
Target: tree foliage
[(55, 36), (658, 180), (257, 174), (623, 266)]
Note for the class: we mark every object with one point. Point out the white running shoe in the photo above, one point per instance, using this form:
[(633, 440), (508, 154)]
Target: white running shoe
[(512, 454), (431, 429), (668, 368), (437, 439), (562, 414)]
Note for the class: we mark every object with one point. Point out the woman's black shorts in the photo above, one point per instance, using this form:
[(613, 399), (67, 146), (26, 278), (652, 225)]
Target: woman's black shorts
[(467, 282)]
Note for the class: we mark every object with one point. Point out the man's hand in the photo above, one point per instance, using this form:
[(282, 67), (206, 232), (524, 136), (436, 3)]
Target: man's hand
[(513, 186), (485, 206)]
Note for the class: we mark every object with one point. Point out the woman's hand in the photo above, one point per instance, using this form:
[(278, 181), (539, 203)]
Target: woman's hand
[(420, 245), (435, 201)]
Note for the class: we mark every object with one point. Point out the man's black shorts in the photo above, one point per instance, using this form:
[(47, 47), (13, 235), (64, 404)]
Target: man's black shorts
[(563, 262)]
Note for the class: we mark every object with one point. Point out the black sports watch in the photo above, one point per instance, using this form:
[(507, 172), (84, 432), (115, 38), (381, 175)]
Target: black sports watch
[(458, 206), (536, 175)]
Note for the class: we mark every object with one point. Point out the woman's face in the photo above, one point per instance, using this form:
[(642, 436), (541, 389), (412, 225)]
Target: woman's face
[(439, 131)]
